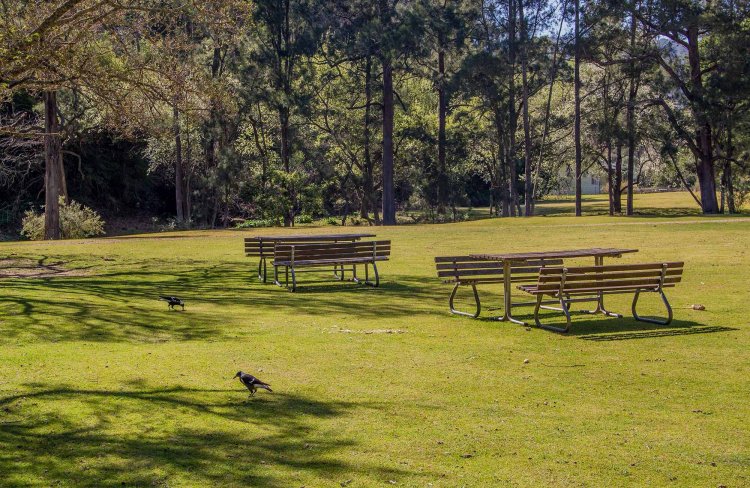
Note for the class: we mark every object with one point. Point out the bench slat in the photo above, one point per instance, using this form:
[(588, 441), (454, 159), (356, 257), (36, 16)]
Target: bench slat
[(490, 264), (468, 259), (611, 278), (655, 273), (328, 262), (613, 267), (325, 255), (593, 283), (587, 291)]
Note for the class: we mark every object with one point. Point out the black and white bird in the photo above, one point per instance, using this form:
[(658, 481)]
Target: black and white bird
[(252, 383), (173, 302)]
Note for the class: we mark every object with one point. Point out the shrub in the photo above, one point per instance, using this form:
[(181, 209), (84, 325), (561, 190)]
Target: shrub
[(332, 221), (303, 219), (76, 222), (255, 223)]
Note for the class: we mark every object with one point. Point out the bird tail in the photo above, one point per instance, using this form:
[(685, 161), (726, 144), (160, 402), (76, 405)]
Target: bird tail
[(264, 386)]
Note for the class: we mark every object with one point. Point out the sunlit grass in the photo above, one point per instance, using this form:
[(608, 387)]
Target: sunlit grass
[(101, 385)]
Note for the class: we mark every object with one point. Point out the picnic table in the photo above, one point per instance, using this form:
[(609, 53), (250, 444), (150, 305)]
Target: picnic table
[(263, 246), (509, 259)]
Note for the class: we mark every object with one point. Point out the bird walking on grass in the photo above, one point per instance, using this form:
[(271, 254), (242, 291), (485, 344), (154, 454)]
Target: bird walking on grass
[(173, 302), (252, 383)]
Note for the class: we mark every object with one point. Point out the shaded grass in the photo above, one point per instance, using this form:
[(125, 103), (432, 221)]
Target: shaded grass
[(101, 385)]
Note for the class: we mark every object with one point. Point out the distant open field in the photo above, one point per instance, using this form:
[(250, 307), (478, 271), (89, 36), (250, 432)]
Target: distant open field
[(101, 385)]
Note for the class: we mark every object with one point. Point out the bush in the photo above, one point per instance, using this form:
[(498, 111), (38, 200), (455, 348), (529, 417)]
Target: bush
[(76, 222), (303, 219), (332, 221), (255, 223)]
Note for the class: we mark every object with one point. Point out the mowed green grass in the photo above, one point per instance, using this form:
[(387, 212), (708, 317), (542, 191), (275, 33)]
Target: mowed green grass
[(101, 385)]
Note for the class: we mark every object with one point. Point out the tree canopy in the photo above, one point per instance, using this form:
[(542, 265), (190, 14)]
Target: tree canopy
[(218, 112)]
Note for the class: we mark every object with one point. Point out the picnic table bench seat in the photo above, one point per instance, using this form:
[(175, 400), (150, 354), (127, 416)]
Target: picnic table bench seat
[(590, 283), (340, 255), (471, 271)]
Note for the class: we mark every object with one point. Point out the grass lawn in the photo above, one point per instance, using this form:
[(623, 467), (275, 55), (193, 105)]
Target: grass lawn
[(101, 385)]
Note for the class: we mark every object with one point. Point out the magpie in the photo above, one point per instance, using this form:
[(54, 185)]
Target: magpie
[(252, 383), (172, 302)]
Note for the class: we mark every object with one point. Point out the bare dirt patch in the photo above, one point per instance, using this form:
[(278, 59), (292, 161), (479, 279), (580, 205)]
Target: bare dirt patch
[(30, 268)]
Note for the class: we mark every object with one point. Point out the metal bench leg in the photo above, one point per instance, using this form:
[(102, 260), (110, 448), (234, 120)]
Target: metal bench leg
[(260, 270), (476, 300), (563, 308), (377, 276), (276, 276), (600, 308), (650, 320), (294, 280)]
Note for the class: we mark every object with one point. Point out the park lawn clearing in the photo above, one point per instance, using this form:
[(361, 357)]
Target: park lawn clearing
[(102, 385)]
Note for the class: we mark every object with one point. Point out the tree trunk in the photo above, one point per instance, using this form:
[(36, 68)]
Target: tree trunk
[(212, 141), (442, 183), (187, 176), (529, 189), (179, 179), (54, 172), (512, 105), (389, 204), (577, 102), (630, 115), (610, 178), (617, 201), (502, 183), (731, 206), (703, 140), (286, 162), (368, 186)]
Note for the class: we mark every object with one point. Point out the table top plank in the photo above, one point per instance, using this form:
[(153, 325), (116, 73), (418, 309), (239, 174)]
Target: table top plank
[(311, 237), (561, 254)]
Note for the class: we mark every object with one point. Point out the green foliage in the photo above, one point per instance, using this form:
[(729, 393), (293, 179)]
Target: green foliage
[(303, 219), (76, 222), (256, 223)]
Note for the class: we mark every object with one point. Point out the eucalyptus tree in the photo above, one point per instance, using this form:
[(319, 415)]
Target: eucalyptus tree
[(447, 25), (678, 30), (352, 51), (534, 18), (286, 34), (89, 47)]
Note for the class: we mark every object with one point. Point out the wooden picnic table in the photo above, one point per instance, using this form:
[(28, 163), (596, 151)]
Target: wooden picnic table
[(508, 259), (312, 237)]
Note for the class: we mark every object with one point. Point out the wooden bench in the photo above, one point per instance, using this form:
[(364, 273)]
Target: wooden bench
[(590, 283), (339, 255), (262, 247), (468, 271)]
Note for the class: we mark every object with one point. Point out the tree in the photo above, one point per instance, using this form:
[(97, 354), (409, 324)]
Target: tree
[(65, 44), (577, 115), (677, 29)]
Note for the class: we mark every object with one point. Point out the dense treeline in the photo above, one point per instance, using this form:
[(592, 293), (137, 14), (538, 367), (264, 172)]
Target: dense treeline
[(217, 111)]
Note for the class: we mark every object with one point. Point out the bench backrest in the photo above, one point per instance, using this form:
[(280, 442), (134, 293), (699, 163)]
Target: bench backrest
[(587, 279), (258, 248), (453, 269), (320, 251)]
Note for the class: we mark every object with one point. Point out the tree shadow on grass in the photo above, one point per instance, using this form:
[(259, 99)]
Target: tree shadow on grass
[(139, 437), (120, 302)]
